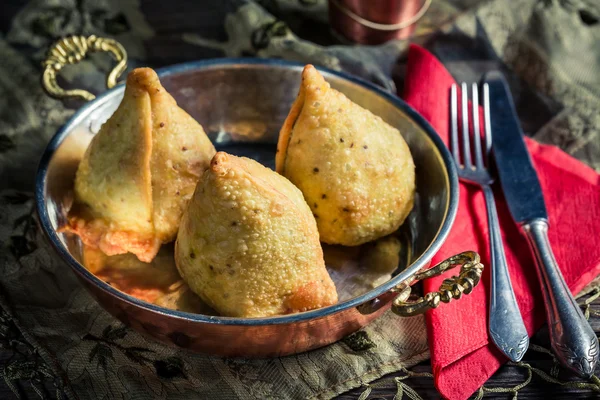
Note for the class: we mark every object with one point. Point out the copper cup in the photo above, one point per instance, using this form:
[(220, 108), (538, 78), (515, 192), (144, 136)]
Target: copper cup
[(375, 21)]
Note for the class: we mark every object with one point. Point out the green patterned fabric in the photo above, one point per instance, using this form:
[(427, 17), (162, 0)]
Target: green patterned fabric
[(56, 342)]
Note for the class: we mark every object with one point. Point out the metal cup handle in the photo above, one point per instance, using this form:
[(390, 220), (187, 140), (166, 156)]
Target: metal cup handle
[(73, 49), (452, 288)]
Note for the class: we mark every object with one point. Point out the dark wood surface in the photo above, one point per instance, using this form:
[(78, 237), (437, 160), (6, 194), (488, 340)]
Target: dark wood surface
[(166, 48), (506, 377)]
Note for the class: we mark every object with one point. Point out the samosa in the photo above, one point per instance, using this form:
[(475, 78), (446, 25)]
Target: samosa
[(139, 172), (248, 243), (354, 169)]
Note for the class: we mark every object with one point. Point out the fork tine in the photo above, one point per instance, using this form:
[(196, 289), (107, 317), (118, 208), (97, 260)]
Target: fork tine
[(488, 124), (476, 130), (466, 145), (454, 124)]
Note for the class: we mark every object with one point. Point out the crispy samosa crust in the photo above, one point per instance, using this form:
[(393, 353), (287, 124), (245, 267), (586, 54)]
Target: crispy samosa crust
[(139, 172), (248, 244), (355, 170)]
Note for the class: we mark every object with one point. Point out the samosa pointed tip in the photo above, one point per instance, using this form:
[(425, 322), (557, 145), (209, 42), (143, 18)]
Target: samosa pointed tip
[(144, 79), (311, 77)]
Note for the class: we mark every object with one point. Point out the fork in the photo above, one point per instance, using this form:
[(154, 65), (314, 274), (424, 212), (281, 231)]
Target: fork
[(506, 327)]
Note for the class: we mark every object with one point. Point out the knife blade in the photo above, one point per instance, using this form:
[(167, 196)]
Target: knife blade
[(518, 177), (573, 340)]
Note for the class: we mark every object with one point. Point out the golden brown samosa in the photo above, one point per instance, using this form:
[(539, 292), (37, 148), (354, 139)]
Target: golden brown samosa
[(355, 170), (139, 172), (145, 281), (248, 244), (157, 282)]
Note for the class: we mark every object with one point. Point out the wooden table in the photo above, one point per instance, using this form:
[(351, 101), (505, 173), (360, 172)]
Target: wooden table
[(506, 377)]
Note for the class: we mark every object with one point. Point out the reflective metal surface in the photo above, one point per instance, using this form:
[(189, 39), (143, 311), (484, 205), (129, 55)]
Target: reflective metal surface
[(572, 338), (451, 288), (505, 325), (71, 50), (518, 178), (376, 21), (242, 104)]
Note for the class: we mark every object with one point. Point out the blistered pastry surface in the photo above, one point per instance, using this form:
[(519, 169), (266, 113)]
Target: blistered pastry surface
[(355, 170), (248, 244)]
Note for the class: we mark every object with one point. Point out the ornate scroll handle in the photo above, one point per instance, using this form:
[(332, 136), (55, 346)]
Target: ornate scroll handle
[(73, 49), (454, 287)]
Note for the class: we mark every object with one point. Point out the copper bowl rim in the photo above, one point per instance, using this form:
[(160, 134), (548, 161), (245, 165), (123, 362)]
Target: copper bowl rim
[(420, 263)]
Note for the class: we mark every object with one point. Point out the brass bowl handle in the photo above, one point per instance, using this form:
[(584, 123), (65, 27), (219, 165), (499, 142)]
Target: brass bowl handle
[(452, 288), (73, 49)]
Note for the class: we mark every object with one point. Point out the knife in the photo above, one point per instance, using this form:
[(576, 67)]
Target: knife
[(573, 341)]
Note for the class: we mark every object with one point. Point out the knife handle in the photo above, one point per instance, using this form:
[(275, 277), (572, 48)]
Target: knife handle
[(574, 342), (506, 326)]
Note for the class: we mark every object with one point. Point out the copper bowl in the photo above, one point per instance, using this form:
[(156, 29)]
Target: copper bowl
[(242, 103)]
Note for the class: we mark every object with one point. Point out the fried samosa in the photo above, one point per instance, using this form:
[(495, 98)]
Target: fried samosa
[(157, 282), (145, 281), (139, 172), (248, 244), (355, 170)]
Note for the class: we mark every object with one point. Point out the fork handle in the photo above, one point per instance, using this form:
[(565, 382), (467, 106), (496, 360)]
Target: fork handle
[(574, 342), (506, 326)]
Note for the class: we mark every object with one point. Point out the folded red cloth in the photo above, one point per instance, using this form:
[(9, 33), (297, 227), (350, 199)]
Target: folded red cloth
[(462, 355)]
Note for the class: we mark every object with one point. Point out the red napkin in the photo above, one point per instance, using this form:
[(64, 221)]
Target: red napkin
[(462, 355)]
